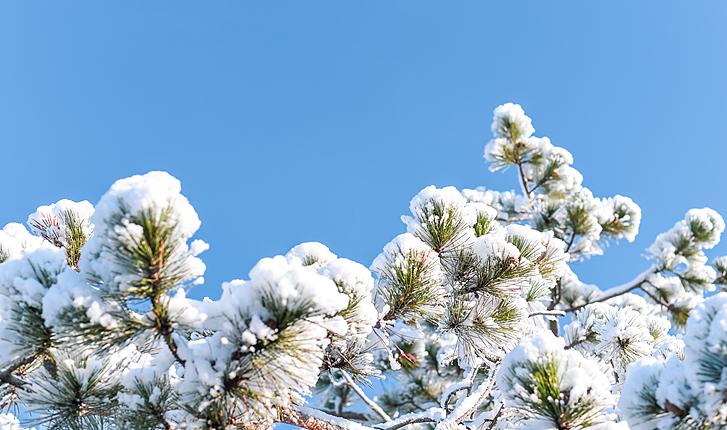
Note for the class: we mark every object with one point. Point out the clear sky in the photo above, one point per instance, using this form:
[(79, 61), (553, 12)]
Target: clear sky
[(294, 121)]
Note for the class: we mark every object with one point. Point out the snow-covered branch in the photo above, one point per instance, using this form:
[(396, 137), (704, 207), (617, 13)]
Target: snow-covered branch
[(553, 313), (314, 419), (370, 403), (467, 405), (431, 415), (618, 290)]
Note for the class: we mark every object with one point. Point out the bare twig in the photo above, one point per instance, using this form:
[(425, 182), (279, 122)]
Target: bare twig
[(554, 313), (523, 180), (370, 403), (429, 416), (575, 343), (570, 242), (495, 418)]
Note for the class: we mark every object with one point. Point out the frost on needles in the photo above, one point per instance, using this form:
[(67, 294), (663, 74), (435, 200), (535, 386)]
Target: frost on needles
[(472, 317)]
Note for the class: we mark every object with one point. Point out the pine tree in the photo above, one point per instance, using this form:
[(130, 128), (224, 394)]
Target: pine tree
[(471, 318)]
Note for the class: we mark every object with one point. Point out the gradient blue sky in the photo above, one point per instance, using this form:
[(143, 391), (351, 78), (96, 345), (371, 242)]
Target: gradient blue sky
[(295, 121)]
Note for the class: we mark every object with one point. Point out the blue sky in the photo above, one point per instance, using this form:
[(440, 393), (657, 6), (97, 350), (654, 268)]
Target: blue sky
[(296, 121)]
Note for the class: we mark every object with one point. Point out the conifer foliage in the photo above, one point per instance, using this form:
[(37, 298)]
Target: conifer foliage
[(471, 318)]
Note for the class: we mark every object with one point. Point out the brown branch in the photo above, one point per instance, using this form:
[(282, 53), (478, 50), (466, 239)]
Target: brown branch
[(575, 343), (313, 419), (495, 418), (523, 179), (570, 242), (164, 327), (7, 377), (161, 320)]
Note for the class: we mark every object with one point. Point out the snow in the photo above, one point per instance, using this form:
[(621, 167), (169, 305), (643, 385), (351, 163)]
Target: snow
[(403, 245), (578, 376), (9, 422), (71, 291), (707, 219), (642, 376), (495, 246), (153, 194), (448, 196), (310, 253), (21, 290), (355, 281), (184, 311), (15, 240), (511, 113), (51, 221), (626, 211)]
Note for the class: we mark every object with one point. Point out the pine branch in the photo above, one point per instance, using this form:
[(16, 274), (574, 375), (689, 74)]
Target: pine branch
[(454, 388), (570, 242), (428, 416), (314, 419), (576, 343), (523, 180), (370, 403), (164, 327), (618, 290), (469, 404), (555, 313), (7, 377), (493, 423)]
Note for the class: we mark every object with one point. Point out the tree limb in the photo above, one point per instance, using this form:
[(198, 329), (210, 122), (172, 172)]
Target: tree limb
[(454, 388), (7, 377), (469, 404), (554, 312), (493, 423), (429, 416), (619, 289), (524, 180), (370, 403), (314, 419)]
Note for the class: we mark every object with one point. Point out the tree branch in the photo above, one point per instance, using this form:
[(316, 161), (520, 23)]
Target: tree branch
[(523, 180), (469, 404), (570, 242), (555, 313), (454, 388), (493, 423), (619, 289), (313, 419), (429, 416), (7, 377), (164, 326), (575, 343), (370, 403)]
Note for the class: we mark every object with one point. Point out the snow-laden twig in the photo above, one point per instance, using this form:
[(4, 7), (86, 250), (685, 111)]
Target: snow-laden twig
[(619, 289), (370, 403), (431, 415), (469, 404), (314, 419), (456, 387), (493, 423), (6, 375), (554, 312)]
